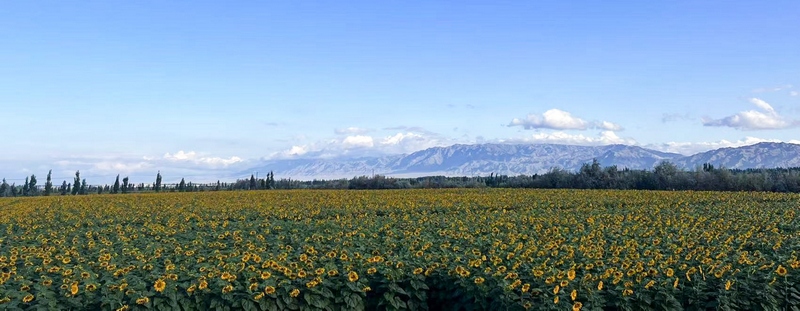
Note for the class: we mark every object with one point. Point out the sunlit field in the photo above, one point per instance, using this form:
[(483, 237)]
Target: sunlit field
[(483, 249)]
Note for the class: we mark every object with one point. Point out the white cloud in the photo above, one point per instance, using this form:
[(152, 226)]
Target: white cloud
[(365, 145), (351, 130), (358, 141), (298, 150), (766, 119), (794, 93), (193, 157), (604, 138), (763, 105), (399, 138), (557, 119), (689, 148), (605, 125), (121, 167), (552, 119)]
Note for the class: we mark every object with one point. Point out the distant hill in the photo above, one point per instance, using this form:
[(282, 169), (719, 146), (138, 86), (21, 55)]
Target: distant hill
[(515, 159), (761, 155)]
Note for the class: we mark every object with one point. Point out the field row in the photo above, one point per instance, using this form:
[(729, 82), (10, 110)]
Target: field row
[(412, 249)]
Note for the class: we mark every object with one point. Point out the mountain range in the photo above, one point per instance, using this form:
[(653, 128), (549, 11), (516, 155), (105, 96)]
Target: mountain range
[(516, 159)]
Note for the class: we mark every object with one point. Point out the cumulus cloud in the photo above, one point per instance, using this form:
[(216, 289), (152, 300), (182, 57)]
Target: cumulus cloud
[(358, 141), (689, 148), (557, 119), (552, 119), (766, 119), (603, 138), (298, 150), (351, 130)]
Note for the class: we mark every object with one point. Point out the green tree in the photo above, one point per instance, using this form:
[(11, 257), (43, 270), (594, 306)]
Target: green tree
[(252, 185), (48, 185), (26, 186), (182, 186), (157, 186), (64, 188), (115, 189), (76, 185), (32, 190), (4, 189), (125, 185), (84, 188)]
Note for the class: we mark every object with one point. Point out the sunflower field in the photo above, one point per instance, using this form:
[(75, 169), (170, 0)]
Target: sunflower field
[(460, 249)]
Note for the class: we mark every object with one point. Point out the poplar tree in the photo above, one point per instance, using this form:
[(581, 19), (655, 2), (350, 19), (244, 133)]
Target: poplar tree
[(115, 190), (76, 186), (158, 182), (48, 185)]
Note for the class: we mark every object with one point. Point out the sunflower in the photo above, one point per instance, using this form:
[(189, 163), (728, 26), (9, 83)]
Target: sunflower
[(418, 271), (670, 272), (675, 284), (571, 275), (577, 306), (265, 275), (269, 290), (372, 270), (781, 270), (227, 289), (728, 285), (160, 285), (294, 293), (600, 285), (253, 287), (142, 300), (479, 280), (352, 276), (627, 292), (573, 295), (73, 289), (91, 287), (28, 298), (123, 308), (203, 285), (555, 300), (526, 287), (556, 290)]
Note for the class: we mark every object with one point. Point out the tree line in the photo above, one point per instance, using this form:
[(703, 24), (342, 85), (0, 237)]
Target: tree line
[(665, 176)]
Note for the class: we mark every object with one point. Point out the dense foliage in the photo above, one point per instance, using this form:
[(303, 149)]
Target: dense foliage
[(484, 249)]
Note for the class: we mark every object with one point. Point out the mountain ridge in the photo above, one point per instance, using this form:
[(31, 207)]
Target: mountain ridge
[(527, 159)]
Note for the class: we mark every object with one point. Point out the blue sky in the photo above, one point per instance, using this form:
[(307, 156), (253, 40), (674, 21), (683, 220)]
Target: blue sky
[(132, 87)]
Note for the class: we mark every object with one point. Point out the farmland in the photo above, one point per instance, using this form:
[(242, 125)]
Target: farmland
[(483, 249)]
